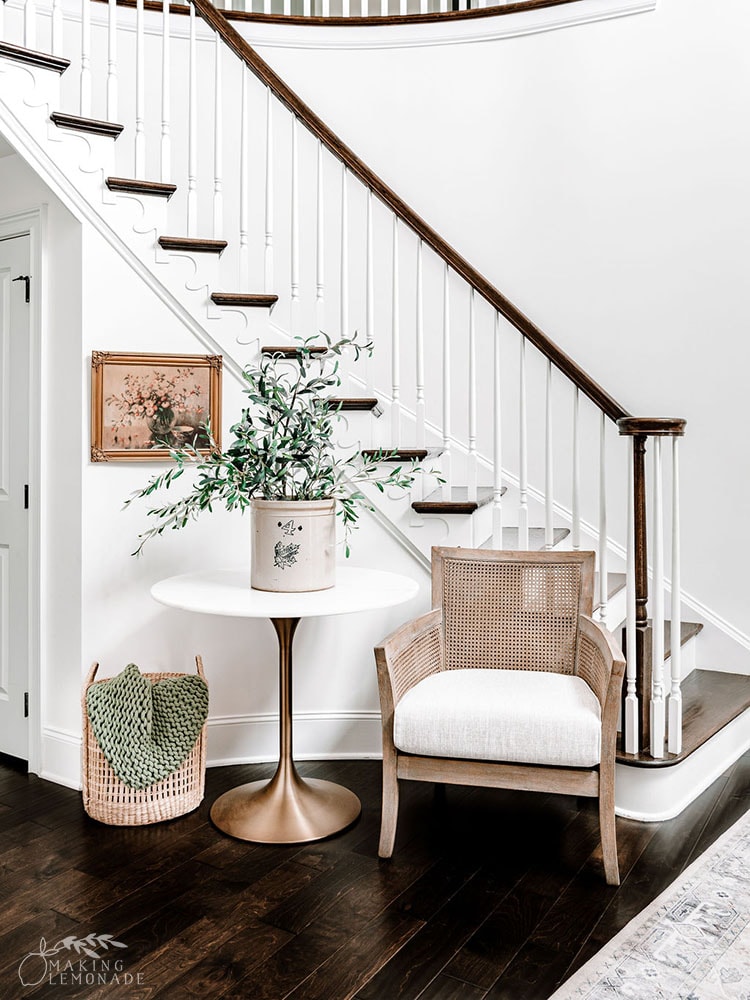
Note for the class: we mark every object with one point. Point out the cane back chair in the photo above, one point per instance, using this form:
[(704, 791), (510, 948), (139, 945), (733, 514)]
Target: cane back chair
[(508, 682)]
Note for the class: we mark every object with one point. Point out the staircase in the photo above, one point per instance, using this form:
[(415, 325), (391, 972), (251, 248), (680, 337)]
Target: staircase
[(238, 207)]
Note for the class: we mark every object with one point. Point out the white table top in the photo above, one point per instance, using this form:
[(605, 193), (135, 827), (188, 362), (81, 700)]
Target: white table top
[(228, 592)]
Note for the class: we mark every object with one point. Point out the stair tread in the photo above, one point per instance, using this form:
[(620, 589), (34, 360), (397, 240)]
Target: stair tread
[(352, 402), (33, 57), (687, 631), (192, 244), (401, 454), (615, 583), (245, 299), (80, 124), (128, 184), (287, 351), (536, 538), (711, 699), (457, 503)]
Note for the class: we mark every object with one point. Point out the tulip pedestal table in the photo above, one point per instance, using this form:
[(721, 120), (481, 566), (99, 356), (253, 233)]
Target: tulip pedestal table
[(287, 809)]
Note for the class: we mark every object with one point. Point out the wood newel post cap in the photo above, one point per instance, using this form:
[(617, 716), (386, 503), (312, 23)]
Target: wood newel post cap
[(652, 426)]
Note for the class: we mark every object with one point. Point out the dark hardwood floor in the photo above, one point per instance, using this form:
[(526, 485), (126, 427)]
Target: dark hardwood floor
[(489, 894)]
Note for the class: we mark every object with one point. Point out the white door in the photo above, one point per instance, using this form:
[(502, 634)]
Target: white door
[(14, 479)]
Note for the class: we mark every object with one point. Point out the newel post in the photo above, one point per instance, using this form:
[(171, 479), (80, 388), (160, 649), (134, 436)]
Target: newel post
[(644, 713)]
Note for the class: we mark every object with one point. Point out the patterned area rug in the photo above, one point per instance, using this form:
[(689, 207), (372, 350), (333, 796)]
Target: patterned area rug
[(691, 943)]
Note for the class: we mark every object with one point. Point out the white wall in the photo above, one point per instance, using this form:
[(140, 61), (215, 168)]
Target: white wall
[(598, 176), (95, 602)]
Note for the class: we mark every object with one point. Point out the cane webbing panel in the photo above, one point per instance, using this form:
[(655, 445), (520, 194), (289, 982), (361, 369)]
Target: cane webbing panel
[(511, 615), (418, 660), (592, 668)]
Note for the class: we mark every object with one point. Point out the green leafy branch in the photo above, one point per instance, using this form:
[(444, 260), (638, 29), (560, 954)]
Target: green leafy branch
[(282, 447)]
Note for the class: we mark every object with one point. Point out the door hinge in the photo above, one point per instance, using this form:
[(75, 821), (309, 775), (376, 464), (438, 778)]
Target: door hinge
[(26, 496), (27, 279), (26, 704)]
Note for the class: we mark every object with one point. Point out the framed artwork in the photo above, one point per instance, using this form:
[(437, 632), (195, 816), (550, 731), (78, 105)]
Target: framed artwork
[(144, 404)]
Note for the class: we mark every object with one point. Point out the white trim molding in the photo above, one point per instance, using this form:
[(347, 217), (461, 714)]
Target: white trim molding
[(652, 794), (447, 32)]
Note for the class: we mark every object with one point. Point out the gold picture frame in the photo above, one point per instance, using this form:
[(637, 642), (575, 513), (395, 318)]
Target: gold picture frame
[(144, 404)]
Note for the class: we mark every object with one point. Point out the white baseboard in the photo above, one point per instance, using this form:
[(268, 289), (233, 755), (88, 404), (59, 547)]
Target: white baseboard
[(241, 739), (61, 757), (649, 794), (652, 794)]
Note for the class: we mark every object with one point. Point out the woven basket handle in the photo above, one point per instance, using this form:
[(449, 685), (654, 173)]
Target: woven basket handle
[(89, 682), (199, 666)]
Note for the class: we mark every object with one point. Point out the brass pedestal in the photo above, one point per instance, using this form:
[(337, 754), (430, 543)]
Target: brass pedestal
[(287, 809)]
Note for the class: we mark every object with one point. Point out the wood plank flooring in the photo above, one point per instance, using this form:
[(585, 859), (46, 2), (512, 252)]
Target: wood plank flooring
[(490, 895)]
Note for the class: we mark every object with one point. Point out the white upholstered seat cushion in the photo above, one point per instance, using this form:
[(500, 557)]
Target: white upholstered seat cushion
[(522, 716)]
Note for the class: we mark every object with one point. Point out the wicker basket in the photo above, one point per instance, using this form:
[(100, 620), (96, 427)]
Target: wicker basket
[(109, 800)]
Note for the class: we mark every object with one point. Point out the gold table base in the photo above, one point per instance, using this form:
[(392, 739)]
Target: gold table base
[(287, 809)]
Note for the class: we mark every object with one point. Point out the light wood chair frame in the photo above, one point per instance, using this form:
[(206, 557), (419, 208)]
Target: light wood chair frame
[(416, 650)]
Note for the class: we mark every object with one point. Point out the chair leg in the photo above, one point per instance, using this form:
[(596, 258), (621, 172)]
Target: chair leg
[(389, 815), (607, 829)]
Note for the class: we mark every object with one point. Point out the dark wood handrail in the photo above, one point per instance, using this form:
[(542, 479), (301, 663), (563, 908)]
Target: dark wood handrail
[(391, 19), (599, 396), (652, 426)]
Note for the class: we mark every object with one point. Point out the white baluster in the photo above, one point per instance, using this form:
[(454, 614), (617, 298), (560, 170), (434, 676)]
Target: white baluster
[(657, 643), (423, 6), (497, 458), (523, 458), (403, 7), (267, 7), (287, 7), (369, 291), (395, 344), (112, 88), (244, 269), (631, 697), (675, 694), (445, 460), (85, 59), (166, 95), (576, 505), (29, 27), (268, 247), (603, 552), (140, 91), (218, 141), (344, 251), (365, 8), (192, 191), (345, 8), (443, 6), (326, 8), (420, 403), (320, 248), (57, 29), (295, 303), (471, 467), (384, 8), (549, 527), (306, 8)]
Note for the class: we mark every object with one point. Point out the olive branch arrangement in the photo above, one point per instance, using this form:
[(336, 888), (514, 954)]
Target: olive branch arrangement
[(282, 447)]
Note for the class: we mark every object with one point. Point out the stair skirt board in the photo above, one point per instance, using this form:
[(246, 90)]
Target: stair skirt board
[(657, 793)]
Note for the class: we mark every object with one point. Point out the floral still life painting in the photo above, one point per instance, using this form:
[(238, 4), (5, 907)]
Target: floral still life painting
[(145, 405)]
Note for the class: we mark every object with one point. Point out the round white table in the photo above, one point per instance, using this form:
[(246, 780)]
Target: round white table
[(287, 809)]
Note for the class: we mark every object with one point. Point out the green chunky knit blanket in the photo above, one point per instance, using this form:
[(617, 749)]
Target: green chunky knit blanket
[(146, 729)]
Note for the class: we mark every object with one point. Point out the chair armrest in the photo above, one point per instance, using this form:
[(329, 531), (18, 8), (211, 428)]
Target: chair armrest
[(407, 656), (600, 661)]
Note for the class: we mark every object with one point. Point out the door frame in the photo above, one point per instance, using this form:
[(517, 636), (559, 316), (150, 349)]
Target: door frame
[(32, 223)]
